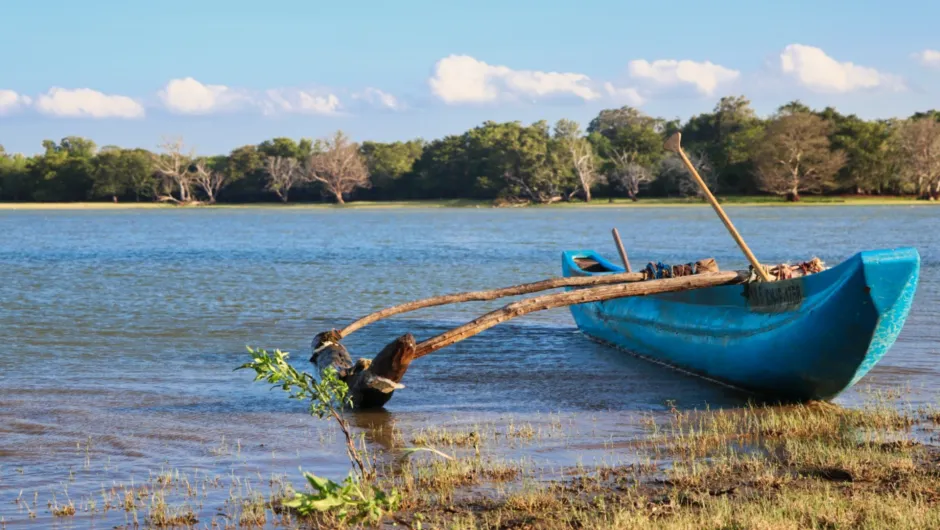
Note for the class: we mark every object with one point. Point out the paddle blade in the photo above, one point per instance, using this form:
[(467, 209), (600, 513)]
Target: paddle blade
[(672, 144)]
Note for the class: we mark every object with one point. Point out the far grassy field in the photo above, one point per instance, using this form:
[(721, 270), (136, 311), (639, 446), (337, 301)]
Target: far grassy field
[(455, 203), (760, 200), (733, 200)]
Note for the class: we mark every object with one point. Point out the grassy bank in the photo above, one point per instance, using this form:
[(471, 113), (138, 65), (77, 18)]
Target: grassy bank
[(468, 203)]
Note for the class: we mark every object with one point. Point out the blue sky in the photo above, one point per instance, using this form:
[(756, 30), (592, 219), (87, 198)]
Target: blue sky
[(224, 74)]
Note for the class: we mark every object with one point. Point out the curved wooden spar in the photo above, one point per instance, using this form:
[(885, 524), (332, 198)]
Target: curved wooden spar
[(493, 294), (578, 296), (672, 144)]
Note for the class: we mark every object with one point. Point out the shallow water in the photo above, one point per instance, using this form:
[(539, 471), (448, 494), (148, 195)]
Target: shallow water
[(122, 329)]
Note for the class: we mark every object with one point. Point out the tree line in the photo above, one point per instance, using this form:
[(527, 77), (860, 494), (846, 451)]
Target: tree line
[(796, 150)]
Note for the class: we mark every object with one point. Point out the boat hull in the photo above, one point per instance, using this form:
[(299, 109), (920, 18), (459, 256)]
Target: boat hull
[(807, 338)]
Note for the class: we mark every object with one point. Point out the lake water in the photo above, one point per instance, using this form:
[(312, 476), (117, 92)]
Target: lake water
[(121, 330)]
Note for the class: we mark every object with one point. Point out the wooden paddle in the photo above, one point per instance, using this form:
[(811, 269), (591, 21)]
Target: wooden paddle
[(672, 144)]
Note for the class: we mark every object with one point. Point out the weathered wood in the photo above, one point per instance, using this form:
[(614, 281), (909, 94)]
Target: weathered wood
[(371, 383), (620, 249), (578, 296), (493, 294)]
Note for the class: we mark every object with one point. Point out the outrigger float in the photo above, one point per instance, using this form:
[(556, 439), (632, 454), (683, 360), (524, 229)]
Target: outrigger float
[(785, 333)]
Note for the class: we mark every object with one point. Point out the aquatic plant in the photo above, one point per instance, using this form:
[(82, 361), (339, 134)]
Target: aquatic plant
[(326, 397)]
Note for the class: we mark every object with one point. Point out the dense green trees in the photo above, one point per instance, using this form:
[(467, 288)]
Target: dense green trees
[(122, 172), (15, 184), (389, 164), (796, 150), (727, 137), (794, 154)]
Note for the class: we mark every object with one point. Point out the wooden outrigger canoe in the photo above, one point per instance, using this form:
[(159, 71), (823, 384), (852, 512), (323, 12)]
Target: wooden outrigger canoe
[(805, 338)]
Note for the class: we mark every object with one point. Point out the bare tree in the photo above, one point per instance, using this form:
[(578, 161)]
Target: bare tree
[(284, 172), (173, 167), (794, 155), (337, 165), (917, 147), (210, 181), (674, 172), (578, 153), (582, 157), (627, 174)]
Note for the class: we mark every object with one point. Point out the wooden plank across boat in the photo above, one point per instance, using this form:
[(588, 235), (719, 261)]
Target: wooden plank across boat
[(805, 338)]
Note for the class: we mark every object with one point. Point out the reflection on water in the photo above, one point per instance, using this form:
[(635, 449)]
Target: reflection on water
[(122, 328)]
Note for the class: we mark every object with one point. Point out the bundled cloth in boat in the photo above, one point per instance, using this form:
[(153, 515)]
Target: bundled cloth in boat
[(659, 270)]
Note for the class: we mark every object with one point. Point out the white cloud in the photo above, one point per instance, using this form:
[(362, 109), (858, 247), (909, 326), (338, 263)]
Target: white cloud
[(928, 58), (627, 95), (705, 77), (463, 79), (87, 103), (298, 101), (378, 98), (188, 96), (10, 101), (812, 68)]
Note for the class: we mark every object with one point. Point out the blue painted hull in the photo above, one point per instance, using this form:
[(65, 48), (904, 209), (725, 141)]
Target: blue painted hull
[(807, 338)]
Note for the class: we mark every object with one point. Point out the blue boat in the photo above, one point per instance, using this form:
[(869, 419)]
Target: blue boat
[(806, 338)]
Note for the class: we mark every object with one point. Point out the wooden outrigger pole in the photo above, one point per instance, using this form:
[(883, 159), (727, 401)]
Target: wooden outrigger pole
[(371, 383), (493, 294)]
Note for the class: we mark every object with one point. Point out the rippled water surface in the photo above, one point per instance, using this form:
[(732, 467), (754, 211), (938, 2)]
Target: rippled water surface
[(121, 328)]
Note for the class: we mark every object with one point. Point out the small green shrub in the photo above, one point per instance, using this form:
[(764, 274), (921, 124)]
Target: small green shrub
[(347, 501)]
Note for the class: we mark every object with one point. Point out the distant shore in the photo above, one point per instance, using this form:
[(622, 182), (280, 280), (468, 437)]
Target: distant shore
[(468, 203)]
